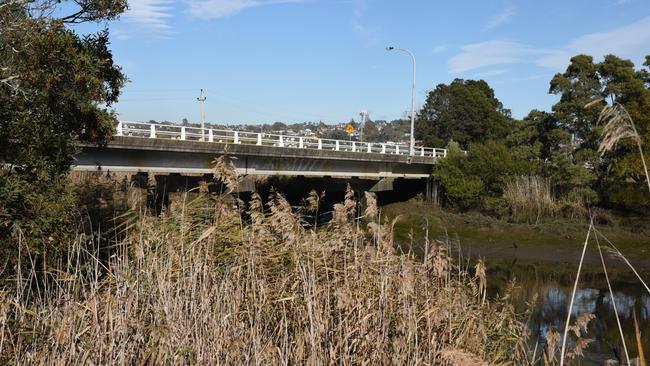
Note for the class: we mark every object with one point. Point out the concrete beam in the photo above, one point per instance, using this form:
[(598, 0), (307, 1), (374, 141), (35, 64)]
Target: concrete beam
[(133, 154)]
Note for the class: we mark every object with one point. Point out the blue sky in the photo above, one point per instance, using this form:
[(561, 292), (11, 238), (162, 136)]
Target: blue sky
[(309, 60)]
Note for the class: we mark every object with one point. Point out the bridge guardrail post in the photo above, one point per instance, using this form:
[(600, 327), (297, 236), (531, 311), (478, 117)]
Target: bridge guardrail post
[(422, 151), (183, 133), (354, 146), (336, 145), (396, 149), (281, 142), (259, 139), (320, 144), (383, 148), (152, 133), (210, 135), (301, 143), (369, 147), (444, 154), (118, 129), (236, 138)]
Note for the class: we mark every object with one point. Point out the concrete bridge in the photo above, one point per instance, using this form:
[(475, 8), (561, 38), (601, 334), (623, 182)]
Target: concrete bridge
[(172, 149)]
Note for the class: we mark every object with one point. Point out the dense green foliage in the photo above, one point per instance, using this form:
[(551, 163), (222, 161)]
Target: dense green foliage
[(465, 111), (560, 148), (55, 87)]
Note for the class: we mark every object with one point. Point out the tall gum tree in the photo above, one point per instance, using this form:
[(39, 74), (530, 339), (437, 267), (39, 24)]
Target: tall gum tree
[(465, 111)]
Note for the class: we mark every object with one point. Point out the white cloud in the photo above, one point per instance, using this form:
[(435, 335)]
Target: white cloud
[(213, 9), (490, 53), (150, 16), (631, 41), (440, 48), (503, 17), (368, 35), (489, 73)]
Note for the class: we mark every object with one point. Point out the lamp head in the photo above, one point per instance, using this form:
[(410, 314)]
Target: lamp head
[(390, 48)]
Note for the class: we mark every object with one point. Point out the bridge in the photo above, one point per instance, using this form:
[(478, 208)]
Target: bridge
[(173, 149)]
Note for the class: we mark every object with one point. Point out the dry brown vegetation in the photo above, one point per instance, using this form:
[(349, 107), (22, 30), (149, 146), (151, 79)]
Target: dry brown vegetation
[(530, 199), (214, 281)]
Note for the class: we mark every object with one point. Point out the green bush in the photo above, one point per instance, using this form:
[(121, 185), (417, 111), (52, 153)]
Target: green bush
[(459, 187), (467, 179)]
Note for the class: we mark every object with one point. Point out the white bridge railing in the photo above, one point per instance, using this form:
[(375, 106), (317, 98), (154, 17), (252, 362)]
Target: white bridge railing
[(175, 132)]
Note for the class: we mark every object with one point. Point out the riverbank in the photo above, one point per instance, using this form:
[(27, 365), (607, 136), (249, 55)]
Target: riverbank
[(541, 261), (557, 241)]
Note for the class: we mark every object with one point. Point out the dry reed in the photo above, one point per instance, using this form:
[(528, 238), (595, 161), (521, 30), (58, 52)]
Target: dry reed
[(618, 125), (530, 199), (205, 284)]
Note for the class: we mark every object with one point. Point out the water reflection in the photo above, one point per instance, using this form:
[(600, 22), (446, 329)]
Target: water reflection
[(553, 291)]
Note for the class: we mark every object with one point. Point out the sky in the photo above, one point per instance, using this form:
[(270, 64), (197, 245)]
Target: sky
[(261, 61)]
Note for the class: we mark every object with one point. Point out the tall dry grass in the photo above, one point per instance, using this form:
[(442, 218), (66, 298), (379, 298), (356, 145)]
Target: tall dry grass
[(214, 281), (617, 126), (530, 199)]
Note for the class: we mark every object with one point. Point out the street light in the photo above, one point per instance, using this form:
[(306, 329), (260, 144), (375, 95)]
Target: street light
[(412, 149)]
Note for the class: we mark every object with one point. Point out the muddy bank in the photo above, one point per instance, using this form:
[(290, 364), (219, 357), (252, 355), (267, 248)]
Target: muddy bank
[(556, 242)]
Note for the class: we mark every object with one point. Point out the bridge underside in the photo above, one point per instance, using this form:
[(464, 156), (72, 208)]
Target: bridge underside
[(133, 154)]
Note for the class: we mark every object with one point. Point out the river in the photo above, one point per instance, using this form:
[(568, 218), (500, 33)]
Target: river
[(551, 283)]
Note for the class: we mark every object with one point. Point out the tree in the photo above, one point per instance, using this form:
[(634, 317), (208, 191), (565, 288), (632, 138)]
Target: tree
[(55, 87), (585, 88), (460, 187), (577, 86), (335, 135), (370, 131), (278, 126), (465, 111), (483, 172)]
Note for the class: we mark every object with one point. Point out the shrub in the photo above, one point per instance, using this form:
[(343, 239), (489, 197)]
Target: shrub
[(460, 188)]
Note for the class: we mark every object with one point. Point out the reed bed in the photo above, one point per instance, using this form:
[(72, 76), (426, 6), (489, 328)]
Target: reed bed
[(215, 281), (530, 199)]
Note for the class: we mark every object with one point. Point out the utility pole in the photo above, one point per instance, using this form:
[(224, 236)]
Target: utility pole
[(202, 99), (363, 115)]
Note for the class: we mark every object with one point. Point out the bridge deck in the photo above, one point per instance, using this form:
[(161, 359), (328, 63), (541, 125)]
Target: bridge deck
[(176, 132), (130, 151)]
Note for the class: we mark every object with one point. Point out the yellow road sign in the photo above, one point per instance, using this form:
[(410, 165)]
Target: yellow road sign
[(349, 129)]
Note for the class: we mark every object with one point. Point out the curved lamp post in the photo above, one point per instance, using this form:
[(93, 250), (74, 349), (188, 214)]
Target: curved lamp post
[(412, 147)]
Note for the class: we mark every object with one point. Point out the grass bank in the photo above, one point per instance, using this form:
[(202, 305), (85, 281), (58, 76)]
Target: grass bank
[(558, 240)]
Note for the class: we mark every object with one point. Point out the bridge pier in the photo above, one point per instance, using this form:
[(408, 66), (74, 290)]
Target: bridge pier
[(165, 190)]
